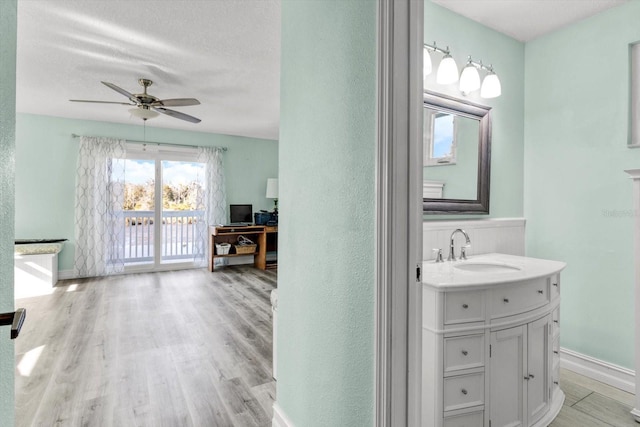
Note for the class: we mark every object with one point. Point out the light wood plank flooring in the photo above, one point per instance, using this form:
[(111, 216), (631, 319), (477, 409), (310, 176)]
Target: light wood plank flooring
[(589, 403), (182, 348)]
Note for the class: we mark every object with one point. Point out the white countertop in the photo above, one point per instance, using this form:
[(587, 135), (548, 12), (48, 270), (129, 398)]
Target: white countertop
[(444, 275)]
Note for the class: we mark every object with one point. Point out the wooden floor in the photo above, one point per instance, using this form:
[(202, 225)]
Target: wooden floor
[(184, 348), (590, 403)]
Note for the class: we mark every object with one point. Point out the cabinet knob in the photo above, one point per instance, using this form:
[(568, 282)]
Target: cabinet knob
[(555, 382), (506, 300), (465, 352), (464, 391), (526, 378), (540, 291), (555, 321), (555, 284), (531, 376), (465, 306), (555, 351)]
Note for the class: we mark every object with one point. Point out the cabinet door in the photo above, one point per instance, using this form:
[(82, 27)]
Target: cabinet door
[(538, 372), (507, 364)]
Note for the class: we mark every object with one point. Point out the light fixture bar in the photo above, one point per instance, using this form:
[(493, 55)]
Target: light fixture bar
[(434, 48)]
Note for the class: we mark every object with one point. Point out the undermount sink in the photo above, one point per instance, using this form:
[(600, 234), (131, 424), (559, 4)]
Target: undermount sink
[(486, 267)]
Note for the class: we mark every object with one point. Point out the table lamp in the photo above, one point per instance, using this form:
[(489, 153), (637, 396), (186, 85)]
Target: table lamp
[(272, 192)]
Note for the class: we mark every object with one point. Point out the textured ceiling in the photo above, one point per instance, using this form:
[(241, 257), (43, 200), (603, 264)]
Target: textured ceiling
[(525, 20), (226, 53)]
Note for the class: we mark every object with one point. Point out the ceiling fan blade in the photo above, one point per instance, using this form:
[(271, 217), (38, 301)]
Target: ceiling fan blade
[(121, 91), (177, 114), (101, 102), (176, 102)]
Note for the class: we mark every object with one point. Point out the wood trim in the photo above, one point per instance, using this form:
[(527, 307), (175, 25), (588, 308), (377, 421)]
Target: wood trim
[(399, 198)]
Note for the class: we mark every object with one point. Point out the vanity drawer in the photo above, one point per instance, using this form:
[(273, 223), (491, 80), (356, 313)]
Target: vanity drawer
[(556, 322), (463, 391), (555, 285), (472, 419), (463, 352), (514, 299), (463, 307)]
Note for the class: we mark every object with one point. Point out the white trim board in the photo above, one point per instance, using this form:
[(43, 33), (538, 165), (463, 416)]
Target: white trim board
[(599, 370), (279, 417)]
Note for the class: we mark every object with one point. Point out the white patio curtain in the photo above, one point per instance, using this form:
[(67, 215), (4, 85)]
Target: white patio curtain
[(212, 201), (99, 226)]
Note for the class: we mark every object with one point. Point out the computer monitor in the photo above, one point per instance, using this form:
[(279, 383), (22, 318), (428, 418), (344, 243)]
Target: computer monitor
[(241, 213)]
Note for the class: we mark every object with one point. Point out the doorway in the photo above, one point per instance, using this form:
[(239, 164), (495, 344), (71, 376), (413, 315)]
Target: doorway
[(163, 210)]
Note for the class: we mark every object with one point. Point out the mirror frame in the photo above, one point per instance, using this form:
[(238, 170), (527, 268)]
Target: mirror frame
[(474, 111)]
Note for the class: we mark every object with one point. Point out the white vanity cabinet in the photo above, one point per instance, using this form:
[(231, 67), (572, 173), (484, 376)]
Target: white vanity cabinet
[(490, 345)]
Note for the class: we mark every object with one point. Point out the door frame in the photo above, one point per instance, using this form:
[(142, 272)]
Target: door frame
[(399, 213)]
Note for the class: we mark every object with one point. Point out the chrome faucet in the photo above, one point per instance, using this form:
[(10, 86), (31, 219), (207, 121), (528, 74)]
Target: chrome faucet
[(463, 253)]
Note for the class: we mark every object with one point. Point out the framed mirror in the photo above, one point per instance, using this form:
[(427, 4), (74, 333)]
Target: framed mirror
[(457, 155)]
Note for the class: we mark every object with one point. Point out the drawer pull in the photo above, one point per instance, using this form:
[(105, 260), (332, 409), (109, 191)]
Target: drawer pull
[(465, 306), (540, 291), (555, 382), (531, 376), (526, 378), (555, 284), (506, 300), (464, 391), (465, 352), (555, 351), (556, 322)]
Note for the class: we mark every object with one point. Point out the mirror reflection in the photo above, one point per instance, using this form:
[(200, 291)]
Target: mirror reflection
[(456, 138)]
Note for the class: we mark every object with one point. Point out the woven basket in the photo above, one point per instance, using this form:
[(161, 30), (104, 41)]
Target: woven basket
[(245, 249), (222, 248)]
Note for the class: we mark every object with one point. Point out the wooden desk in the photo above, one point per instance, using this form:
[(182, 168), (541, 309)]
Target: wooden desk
[(257, 233)]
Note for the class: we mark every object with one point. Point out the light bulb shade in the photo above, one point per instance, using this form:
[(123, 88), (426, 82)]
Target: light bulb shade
[(272, 188), (143, 113), (491, 86), (426, 63), (447, 71), (469, 79)]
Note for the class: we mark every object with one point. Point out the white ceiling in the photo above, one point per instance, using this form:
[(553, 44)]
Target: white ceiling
[(526, 20), (226, 53)]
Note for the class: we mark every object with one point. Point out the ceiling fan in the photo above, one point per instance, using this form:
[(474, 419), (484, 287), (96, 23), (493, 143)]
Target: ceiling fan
[(148, 106)]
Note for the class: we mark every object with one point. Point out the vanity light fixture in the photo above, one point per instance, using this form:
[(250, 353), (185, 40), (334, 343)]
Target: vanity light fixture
[(469, 78), (447, 70)]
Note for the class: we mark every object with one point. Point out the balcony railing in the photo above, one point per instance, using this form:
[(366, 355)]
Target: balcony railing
[(180, 237)]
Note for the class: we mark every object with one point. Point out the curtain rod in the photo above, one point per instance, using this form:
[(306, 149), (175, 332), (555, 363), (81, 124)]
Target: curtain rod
[(75, 135)]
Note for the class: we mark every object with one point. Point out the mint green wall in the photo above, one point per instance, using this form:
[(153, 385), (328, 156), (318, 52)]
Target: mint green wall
[(8, 9), (46, 157), (326, 268), (465, 37), (577, 197)]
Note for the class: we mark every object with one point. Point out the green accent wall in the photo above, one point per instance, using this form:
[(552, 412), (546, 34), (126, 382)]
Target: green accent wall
[(46, 156), (326, 257), (578, 200), (8, 25), (466, 37)]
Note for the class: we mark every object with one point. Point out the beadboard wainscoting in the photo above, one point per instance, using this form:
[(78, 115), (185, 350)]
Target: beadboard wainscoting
[(501, 235)]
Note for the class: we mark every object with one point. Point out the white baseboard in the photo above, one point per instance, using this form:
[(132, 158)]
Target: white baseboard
[(279, 417), (599, 370), (66, 274)]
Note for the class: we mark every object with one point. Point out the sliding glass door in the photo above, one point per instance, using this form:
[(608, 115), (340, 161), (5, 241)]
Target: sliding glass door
[(163, 209)]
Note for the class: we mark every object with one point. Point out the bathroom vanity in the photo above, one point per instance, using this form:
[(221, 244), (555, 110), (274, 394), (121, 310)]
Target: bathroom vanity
[(490, 342)]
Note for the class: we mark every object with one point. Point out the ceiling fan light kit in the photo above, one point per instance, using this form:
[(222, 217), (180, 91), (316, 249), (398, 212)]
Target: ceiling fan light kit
[(148, 106)]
